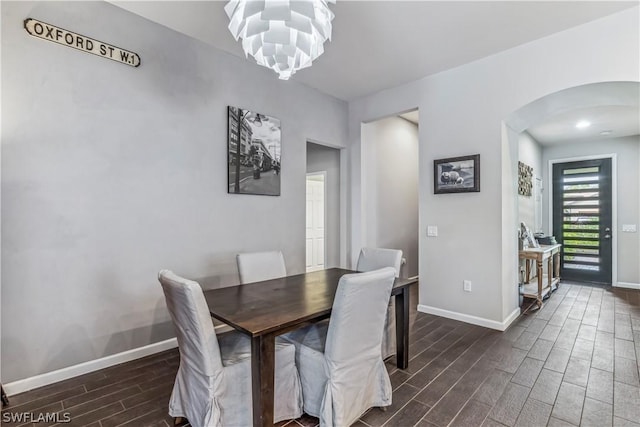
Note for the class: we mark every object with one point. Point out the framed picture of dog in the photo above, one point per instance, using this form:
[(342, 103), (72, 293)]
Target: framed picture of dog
[(456, 174)]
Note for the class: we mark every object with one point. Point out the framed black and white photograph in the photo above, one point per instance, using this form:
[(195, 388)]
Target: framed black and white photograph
[(457, 174), (253, 153)]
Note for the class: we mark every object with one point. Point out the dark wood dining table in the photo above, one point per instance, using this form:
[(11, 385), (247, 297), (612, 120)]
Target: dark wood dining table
[(264, 310)]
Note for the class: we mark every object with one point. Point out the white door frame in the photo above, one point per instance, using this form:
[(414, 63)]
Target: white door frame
[(614, 204), (324, 196)]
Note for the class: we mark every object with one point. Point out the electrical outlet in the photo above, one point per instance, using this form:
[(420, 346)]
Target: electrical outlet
[(432, 231), (466, 285), (629, 228)]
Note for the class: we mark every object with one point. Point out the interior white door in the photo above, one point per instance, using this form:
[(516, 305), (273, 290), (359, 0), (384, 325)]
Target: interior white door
[(315, 242)]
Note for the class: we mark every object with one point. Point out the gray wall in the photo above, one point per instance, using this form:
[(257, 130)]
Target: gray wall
[(627, 152), (111, 173), (321, 158), (529, 153), (391, 187)]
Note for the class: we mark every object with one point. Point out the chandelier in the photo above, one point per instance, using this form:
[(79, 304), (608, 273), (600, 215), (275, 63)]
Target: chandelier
[(284, 35)]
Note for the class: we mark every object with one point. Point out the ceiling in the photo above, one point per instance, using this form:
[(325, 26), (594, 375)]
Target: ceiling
[(382, 44), (394, 42), (607, 121)]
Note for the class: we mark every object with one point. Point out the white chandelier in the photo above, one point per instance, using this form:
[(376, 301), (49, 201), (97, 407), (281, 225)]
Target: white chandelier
[(284, 35)]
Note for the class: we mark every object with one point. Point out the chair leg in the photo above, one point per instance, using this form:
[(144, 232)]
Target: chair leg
[(179, 421), (5, 399)]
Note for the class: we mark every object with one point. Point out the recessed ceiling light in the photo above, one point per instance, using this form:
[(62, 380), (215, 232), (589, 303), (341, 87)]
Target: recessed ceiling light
[(583, 124), (606, 132)]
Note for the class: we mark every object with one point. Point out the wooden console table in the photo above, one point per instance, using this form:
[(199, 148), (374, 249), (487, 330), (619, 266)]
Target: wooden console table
[(550, 254)]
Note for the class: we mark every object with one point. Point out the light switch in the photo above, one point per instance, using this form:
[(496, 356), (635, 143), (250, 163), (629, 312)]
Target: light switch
[(629, 228), (432, 230)]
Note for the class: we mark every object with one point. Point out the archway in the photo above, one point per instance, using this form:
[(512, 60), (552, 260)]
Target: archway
[(619, 96)]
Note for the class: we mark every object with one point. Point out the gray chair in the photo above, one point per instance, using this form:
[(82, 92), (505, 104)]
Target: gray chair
[(259, 266), (213, 383), (340, 365), (372, 259)]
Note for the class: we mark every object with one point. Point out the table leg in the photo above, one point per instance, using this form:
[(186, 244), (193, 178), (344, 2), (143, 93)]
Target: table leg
[(262, 379), (539, 272), (402, 328)]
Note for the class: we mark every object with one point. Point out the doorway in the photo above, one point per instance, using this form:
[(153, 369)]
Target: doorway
[(582, 219), (390, 187), (316, 225)]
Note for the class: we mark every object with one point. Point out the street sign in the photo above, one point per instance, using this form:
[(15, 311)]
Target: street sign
[(67, 38)]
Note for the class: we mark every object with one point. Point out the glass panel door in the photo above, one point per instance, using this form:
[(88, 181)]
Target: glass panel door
[(582, 219)]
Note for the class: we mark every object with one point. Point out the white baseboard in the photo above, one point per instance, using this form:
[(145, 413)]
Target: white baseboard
[(474, 320), (86, 367), (628, 285)]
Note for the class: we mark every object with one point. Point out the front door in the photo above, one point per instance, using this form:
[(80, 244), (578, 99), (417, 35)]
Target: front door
[(582, 219)]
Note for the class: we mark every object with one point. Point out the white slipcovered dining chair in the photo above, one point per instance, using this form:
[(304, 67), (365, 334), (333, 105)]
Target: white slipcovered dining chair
[(213, 383), (259, 266), (340, 364), (372, 259)]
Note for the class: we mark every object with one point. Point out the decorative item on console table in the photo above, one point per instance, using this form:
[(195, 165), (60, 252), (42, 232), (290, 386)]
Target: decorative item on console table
[(546, 240), (527, 238)]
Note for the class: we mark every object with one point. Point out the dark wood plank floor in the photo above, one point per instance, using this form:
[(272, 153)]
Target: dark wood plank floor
[(574, 362)]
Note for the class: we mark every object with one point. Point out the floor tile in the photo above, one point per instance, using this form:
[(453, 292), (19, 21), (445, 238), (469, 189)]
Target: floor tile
[(621, 422), (604, 339), (473, 414), (591, 314), (538, 325), (401, 397), (596, 414), (626, 349), (606, 322), (603, 358), (527, 373), (587, 332), (568, 406), (555, 422), (550, 333), (600, 385), (490, 391), (534, 414), (510, 404), (526, 340), (488, 422), (582, 349), (513, 333), (623, 327), (627, 401), (577, 372), (409, 415), (626, 371), (540, 350), (547, 386), (558, 359), (511, 360)]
